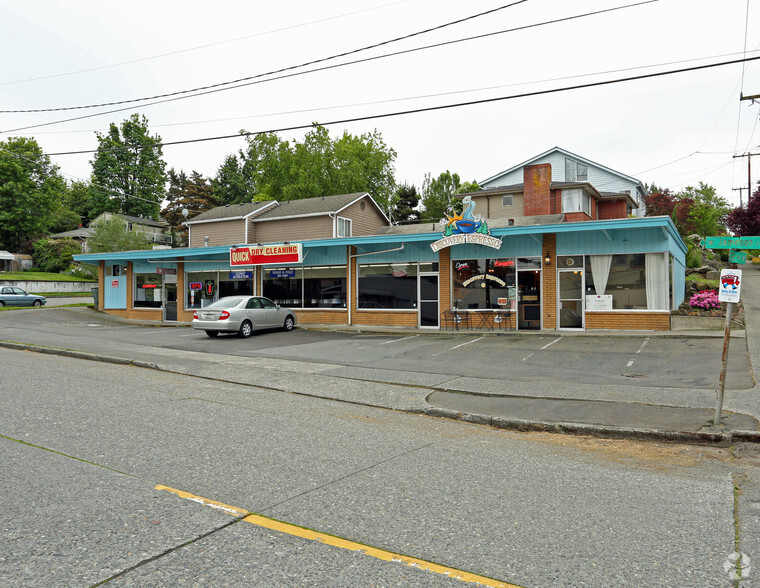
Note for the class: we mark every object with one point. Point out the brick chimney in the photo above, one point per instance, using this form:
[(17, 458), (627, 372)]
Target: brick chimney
[(537, 181)]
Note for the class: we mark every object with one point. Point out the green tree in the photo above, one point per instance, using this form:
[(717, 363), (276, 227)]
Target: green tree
[(406, 206), (271, 168), (115, 236), (55, 255), (439, 195), (229, 184), (709, 212), (193, 194), (78, 198), (693, 210), (31, 189), (128, 170)]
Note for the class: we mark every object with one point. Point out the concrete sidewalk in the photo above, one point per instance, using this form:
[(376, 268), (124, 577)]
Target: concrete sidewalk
[(611, 411)]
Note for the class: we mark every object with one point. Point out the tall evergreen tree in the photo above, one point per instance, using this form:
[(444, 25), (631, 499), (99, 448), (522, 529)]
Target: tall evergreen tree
[(193, 194), (407, 203), (128, 170)]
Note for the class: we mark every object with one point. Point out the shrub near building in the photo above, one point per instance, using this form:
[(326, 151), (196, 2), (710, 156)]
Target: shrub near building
[(55, 255)]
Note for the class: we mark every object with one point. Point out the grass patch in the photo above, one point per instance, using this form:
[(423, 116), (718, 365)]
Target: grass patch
[(41, 277), (703, 280)]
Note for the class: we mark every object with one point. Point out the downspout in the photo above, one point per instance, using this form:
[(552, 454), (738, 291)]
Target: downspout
[(350, 281)]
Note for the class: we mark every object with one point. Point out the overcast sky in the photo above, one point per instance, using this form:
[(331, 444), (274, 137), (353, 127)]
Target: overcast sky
[(672, 130)]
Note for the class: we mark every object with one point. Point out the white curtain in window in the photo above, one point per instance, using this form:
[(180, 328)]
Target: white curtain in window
[(600, 272), (657, 281)]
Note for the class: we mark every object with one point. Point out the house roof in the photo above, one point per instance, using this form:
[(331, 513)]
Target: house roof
[(568, 154), (232, 211), (148, 222), (314, 206), (493, 223), (80, 233), (513, 188)]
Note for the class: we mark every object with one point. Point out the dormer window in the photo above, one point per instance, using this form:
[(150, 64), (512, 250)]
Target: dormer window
[(575, 171)]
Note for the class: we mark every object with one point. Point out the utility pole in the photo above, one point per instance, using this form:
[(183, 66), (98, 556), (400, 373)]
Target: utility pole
[(741, 204), (749, 157)]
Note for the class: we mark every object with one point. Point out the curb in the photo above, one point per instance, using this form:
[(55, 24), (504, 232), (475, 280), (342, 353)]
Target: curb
[(718, 438)]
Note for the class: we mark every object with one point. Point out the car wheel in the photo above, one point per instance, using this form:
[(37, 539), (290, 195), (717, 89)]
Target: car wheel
[(212, 333), (245, 329), (2, 303), (289, 323), (37, 303)]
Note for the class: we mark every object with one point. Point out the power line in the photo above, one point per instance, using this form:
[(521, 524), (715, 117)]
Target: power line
[(284, 69), (204, 46), (436, 108), (421, 96), (324, 68)]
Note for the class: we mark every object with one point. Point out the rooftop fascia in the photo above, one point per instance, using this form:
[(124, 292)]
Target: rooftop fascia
[(663, 222)]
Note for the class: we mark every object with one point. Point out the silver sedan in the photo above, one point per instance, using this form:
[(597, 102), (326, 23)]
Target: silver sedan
[(242, 315)]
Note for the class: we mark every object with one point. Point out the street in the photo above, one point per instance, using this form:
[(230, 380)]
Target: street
[(88, 449)]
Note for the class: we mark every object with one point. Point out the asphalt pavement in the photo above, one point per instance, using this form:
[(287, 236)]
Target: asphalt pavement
[(642, 412)]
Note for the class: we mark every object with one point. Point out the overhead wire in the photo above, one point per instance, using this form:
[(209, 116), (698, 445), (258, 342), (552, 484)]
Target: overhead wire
[(204, 46), (439, 107), (220, 86)]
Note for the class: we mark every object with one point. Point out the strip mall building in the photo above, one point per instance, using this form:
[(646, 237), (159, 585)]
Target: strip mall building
[(553, 243)]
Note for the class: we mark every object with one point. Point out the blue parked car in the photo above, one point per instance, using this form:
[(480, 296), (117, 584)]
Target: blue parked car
[(13, 296)]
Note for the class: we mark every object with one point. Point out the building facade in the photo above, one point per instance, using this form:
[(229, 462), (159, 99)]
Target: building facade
[(537, 254)]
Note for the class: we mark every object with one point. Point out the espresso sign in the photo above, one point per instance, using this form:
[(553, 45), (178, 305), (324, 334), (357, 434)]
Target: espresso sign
[(266, 254)]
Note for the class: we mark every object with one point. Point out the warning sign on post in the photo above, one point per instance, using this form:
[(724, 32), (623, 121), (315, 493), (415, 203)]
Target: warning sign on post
[(730, 286)]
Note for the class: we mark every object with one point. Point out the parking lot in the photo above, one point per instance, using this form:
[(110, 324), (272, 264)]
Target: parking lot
[(654, 360)]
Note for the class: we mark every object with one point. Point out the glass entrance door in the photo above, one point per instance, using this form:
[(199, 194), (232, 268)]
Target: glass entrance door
[(170, 302), (428, 297), (528, 299), (570, 299)]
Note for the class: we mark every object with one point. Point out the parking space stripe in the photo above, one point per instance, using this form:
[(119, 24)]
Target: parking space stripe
[(458, 346), (333, 541)]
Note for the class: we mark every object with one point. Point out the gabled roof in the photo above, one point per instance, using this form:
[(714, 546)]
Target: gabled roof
[(315, 206), (81, 233), (232, 211), (138, 220), (568, 154)]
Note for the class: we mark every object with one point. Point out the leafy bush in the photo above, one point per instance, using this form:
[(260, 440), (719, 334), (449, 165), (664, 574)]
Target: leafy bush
[(55, 255), (706, 299), (694, 257), (85, 271)]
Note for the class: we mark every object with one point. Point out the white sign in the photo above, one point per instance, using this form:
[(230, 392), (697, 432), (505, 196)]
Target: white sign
[(730, 287), (599, 302), (460, 239)]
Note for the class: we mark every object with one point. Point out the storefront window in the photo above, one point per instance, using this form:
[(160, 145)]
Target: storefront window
[(235, 283), (284, 286), (147, 291), (324, 287), (388, 286), (623, 277), (202, 289), (308, 287), (483, 283)]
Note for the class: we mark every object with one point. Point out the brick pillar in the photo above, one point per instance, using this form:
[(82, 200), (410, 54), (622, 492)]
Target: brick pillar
[(354, 284), (537, 181), (549, 292), (444, 279)]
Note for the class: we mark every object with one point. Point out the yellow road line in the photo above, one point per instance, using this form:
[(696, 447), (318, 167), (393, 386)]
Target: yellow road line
[(232, 510), (334, 541), (374, 552)]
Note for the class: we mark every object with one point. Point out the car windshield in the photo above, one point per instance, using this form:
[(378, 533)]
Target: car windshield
[(226, 303)]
